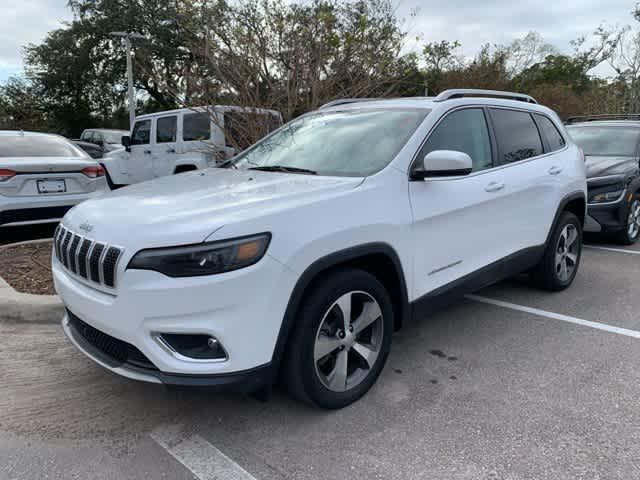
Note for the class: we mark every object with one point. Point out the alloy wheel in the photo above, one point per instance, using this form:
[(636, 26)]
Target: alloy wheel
[(348, 341), (567, 251), (633, 221)]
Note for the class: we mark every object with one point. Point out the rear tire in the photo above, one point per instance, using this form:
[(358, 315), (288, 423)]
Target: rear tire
[(559, 264), (333, 359), (631, 231)]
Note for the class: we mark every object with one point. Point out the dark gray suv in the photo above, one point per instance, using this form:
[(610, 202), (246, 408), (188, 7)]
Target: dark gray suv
[(611, 145)]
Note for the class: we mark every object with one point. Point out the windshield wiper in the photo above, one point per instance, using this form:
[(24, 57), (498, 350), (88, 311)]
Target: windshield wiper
[(284, 169)]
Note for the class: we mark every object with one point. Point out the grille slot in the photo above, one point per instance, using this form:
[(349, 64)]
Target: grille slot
[(73, 265), (94, 261)]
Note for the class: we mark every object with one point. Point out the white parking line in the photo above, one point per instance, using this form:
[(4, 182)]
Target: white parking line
[(556, 316), (610, 249), (201, 458)]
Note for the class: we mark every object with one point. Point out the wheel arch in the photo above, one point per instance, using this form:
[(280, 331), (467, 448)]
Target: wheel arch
[(378, 259), (575, 203)]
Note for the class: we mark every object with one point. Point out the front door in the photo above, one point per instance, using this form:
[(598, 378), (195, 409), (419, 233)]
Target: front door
[(458, 222), (140, 160)]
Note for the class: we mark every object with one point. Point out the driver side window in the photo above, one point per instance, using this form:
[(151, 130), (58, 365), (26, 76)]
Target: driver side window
[(463, 131), (141, 133)]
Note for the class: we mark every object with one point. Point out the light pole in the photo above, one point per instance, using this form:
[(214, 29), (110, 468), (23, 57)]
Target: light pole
[(127, 45)]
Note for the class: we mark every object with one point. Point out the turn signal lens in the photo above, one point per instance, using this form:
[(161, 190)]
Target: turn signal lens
[(93, 172), (6, 174)]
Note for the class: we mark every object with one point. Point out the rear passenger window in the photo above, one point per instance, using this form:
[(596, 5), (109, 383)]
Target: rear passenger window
[(551, 133), (196, 126), (517, 135), (166, 128), (463, 131)]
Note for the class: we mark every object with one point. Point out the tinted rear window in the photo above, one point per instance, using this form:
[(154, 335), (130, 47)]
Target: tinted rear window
[(550, 131), (517, 135), (614, 141), (196, 126), (37, 146)]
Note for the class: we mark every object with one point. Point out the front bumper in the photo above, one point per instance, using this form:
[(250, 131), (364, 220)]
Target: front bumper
[(243, 382), (610, 217), (243, 309)]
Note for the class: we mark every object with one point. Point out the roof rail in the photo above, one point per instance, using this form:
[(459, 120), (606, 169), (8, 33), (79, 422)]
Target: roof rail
[(474, 92), (603, 116), (344, 101)]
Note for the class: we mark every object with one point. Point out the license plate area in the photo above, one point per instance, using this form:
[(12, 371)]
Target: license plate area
[(52, 186)]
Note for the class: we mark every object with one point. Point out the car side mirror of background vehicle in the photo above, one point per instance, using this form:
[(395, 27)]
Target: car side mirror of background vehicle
[(444, 163), (126, 142)]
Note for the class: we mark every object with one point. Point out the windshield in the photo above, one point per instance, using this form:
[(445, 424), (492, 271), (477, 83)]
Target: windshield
[(38, 146), (612, 141), (114, 137), (345, 143)]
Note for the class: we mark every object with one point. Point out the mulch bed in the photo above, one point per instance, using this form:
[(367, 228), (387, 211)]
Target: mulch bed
[(27, 268)]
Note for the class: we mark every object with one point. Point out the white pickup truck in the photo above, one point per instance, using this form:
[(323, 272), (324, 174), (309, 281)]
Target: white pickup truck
[(176, 141)]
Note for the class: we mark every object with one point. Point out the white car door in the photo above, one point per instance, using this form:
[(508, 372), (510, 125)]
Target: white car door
[(165, 150), (140, 159), (459, 222), (530, 182)]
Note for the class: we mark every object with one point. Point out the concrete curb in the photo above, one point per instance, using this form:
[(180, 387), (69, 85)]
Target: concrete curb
[(23, 307)]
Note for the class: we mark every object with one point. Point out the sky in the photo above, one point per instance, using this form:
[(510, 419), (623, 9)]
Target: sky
[(472, 22)]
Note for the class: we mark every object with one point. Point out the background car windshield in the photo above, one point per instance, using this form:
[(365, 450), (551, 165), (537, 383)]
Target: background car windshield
[(113, 137), (606, 141), (37, 146), (345, 143)]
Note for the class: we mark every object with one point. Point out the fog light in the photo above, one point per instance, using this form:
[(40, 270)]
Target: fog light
[(194, 346)]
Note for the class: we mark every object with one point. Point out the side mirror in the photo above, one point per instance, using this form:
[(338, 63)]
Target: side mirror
[(126, 142), (444, 163)]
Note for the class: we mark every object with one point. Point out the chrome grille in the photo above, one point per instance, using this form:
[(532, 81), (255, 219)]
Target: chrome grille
[(94, 261)]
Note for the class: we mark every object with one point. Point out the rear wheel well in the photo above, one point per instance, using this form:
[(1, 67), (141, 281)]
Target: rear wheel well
[(577, 206), (386, 272), (184, 168)]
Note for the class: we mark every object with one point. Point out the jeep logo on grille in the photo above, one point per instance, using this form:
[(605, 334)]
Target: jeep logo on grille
[(85, 227)]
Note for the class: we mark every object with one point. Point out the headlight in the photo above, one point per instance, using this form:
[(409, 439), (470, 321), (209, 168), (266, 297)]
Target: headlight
[(203, 259), (608, 193)]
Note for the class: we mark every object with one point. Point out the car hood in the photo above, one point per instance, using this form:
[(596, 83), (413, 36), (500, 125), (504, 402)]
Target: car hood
[(187, 208), (598, 166)]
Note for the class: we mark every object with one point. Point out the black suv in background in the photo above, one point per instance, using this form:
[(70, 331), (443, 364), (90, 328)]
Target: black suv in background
[(611, 145)]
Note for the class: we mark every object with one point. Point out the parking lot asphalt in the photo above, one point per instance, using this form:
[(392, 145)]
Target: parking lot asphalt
[(476, 391)]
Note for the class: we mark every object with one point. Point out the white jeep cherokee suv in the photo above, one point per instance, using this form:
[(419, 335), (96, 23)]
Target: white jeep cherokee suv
[(299, 260)]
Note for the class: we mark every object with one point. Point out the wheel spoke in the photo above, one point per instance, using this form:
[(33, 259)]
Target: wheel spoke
[(324, 346), (370, 313), (558, 260), (572, 236), (573, 258), (368, 355), (563, 270), (344, 304), (338, 377)]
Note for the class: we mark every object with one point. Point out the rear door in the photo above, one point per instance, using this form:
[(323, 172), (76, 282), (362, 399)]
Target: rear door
[(140, 159), (530, 181), (165, 150)]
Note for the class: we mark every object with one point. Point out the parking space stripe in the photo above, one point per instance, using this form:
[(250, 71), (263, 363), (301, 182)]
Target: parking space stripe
[(556, 316), (611, 249), (201, 458)]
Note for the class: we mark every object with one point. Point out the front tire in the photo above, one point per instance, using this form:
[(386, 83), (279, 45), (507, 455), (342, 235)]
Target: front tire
[(559, 265), (341, 341), (631, 231)]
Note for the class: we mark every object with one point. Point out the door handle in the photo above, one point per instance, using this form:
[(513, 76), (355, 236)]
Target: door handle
[(494, 187), (555, 170), (171, 150), (148, 152)]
